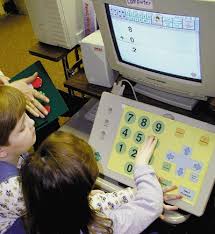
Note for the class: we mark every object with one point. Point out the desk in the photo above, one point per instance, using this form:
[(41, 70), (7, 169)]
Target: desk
[(202, 111), (79, 83), (55, 54)]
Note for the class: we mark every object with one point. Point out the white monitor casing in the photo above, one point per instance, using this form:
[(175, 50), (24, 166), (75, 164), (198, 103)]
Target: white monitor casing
[(204, 9), (57, 22)]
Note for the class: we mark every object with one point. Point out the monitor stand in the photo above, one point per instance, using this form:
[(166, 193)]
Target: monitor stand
[(172, 99)]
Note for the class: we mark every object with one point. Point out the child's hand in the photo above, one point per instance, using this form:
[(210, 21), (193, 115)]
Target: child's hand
[(169, 197), (31, 95), (96, 191), (4, 80), (146, 150)]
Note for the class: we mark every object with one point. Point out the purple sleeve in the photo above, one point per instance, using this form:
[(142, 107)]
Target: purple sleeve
[(138, 214)]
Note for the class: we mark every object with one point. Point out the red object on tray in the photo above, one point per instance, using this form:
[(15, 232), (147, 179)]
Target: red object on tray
[(37, 83), (48, 108)]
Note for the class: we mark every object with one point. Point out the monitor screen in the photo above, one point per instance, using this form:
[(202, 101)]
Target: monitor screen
[(157, 42)]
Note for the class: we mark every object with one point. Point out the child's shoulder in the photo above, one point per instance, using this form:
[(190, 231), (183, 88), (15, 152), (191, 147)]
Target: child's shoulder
[(7, 171), (10, 186), (11, 198)]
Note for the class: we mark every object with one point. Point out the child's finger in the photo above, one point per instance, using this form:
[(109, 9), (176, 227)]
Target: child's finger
[(170, 197), (147, 145), (31, 109), (4, 80), (169, 207), (151, 147), (145, 151), (41, 109), (143, 146), (30, 79), (153, 143), (149, 141), (169, 188), (40, 96)]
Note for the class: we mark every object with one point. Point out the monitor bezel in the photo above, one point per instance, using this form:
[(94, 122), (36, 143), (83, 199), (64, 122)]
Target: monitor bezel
[(203, 9), (135, 65)]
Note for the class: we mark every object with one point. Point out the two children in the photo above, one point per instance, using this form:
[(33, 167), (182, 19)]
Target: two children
[(57, 181)]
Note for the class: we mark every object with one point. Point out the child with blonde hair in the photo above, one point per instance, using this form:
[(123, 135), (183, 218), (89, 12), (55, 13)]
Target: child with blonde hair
[(17, 135), (58, 179)]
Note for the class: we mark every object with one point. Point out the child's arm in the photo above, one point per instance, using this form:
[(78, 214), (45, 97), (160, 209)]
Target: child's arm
[(147, 205), (102, 201), (11, 202), (3, 79)]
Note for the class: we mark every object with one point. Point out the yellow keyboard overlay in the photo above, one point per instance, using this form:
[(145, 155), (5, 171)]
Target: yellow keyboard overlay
[(181, 157)]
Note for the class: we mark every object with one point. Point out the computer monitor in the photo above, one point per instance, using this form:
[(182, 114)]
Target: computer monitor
[(167, 45), (61, 23)]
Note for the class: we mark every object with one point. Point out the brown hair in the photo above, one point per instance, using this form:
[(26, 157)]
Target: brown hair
[(12, 107), (56, 182)]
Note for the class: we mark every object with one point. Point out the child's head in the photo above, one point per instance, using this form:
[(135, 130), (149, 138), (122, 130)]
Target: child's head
[(17, 133), (57, 180)]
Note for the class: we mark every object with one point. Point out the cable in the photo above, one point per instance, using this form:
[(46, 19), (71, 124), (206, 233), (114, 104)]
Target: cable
[(118, 89), (132, 88)]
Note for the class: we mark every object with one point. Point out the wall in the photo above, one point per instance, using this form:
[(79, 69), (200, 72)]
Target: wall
[(20, 4), (1, 8)]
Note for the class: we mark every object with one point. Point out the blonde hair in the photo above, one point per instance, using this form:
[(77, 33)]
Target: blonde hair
[(12, 107), (56, 181)]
